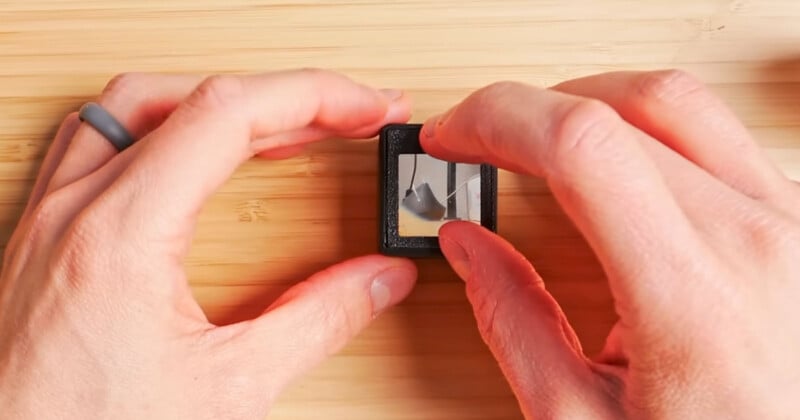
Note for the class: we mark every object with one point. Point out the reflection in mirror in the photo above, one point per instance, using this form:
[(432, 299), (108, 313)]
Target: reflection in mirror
[(433, 192)]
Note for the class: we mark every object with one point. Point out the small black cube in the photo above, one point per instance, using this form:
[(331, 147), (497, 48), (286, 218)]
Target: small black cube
[(420, 193)]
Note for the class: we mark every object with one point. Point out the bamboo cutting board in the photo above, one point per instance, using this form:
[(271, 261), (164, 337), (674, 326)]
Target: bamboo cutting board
[(275, 223)]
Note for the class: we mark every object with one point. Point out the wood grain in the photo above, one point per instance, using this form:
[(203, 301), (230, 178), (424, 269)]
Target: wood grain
[(275, 223)]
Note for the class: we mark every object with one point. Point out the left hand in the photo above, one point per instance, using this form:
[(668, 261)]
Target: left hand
[(96, 317)]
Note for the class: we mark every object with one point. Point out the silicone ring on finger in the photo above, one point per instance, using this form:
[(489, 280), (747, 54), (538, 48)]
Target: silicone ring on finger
[(105, 124)]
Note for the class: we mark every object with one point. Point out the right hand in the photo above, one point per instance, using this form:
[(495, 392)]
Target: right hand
[(697, 231)]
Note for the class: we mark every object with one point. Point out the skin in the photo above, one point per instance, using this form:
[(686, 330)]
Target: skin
[(697, 231), (89, 330)]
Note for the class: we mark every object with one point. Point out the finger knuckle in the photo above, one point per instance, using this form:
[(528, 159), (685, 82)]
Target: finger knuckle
[(318, 79), (76, 261), (84, 254), (122, 86), (76, 249), (772, 237), (490, 104), (47, 214), (218, 92), (582, 129), (504, 87), (341, 320), (486, 310), (489, 304), (669, 86), (495, 98), (84, 233), (337, 316), (314, 72), (71, 118)]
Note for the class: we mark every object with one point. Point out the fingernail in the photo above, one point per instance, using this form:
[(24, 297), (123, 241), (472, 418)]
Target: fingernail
[(390, 287), (397, 113), (433, 123), (457, 257), (429, 128), (391, 94)]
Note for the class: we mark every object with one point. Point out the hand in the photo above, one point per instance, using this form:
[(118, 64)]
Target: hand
[(96, 316), (698, 233)]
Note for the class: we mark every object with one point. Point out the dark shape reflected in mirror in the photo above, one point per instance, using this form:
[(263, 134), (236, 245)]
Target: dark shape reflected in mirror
[(421, 202)]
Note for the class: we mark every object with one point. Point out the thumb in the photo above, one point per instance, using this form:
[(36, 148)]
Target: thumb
[(317, 317), (524, 327)]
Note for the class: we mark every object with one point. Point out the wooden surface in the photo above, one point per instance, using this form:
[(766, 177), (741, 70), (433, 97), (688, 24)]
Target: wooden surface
[(275, 223)]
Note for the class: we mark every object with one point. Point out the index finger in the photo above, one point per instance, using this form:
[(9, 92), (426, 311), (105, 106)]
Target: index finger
[(596, 168), (225, 121)]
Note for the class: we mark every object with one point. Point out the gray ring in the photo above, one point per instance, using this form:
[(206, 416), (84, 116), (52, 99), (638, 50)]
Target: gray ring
[(106, 124)]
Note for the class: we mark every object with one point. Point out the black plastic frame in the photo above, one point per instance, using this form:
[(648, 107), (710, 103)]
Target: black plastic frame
[(397, 139)]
